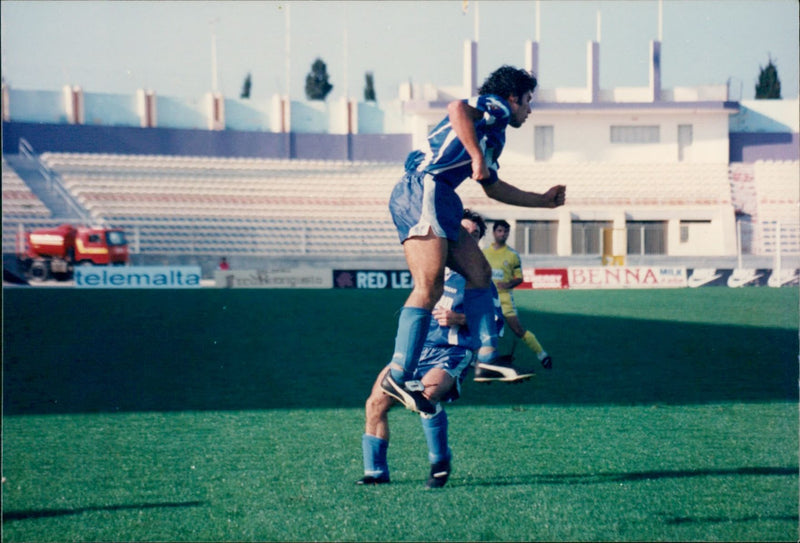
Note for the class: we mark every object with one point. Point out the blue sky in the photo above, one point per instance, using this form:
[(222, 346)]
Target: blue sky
[(118, 47)]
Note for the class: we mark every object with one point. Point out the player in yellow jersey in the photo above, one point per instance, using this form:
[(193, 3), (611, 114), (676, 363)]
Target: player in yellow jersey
[(507, 274)]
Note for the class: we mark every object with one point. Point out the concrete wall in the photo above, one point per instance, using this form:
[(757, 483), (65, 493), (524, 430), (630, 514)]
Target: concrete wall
[(195, 113), (197, 142), (753, 146), (765, 130), (585, 136)]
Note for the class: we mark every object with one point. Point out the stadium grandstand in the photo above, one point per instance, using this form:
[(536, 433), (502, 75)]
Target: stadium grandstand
[(678, 174)]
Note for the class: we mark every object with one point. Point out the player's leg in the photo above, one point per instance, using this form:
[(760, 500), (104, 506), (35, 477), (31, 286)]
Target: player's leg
[(442, 383), (439, 383), (528, 337), (427, 215), (375, 441), (415, 204), (466, 258), (425, 257)]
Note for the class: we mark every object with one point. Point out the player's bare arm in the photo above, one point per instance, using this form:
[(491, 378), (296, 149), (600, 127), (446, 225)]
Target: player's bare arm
[(462, 119), (509, 194), (508, 285)]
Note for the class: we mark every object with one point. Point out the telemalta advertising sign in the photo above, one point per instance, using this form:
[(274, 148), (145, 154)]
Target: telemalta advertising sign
[(137, 277), (626, 277)]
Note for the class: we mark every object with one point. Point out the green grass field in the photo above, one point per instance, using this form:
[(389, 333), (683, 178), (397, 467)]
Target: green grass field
[(236, 415)]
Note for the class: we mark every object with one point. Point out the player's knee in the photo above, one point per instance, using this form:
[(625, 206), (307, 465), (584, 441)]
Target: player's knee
[(436, 291), (429, 292), (377, 405)]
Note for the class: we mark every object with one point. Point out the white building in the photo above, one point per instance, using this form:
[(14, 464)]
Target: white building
[(648, 163)]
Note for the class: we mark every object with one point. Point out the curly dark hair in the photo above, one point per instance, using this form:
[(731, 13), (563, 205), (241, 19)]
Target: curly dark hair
[(508, 81), (477, 219), (498, 224)]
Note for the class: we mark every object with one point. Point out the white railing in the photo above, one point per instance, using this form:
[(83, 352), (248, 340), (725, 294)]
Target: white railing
[(54, 183)]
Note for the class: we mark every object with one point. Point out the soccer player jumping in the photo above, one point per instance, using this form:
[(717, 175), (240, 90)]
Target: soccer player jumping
[(427, 213)]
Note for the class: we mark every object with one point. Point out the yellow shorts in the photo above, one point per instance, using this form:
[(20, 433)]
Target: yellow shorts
[(507, 304)]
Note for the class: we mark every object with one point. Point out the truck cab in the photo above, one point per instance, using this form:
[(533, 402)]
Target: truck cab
[(100, 246)]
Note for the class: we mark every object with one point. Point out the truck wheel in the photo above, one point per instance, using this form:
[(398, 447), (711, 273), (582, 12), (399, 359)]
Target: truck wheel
[(39, 271)]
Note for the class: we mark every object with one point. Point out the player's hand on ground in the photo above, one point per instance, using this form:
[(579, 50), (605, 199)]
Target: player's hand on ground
[(556, 196)]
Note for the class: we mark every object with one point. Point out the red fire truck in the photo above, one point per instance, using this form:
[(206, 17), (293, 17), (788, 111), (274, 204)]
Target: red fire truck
[(54, 252)]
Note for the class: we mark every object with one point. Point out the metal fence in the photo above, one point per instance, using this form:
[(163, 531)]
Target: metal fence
[(365, 237)]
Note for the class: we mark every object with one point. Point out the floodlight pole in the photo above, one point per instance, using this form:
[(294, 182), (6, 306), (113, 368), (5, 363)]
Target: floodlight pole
[(288, 47), (739, 243), (777, 270), (214, 75), (345, 46), (476, 23)]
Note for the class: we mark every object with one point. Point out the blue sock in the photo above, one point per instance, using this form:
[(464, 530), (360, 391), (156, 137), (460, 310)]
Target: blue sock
[(411, 331), (479, 309), (374, 449), (435, 429)]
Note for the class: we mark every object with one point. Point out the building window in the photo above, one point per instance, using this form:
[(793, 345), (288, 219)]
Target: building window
[(635, 134), (542, 143), (685, 139), (537, 237), (647, 237), (687, 227), (587, 237)]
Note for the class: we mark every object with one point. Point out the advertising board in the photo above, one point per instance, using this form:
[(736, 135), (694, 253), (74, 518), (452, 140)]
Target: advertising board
[(372, 279), (544, 278), (275, 277), (137, 276), (626, 277), (742, 277)]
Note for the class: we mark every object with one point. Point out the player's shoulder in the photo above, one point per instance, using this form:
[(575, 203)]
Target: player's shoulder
[(508, 249), (491, 104), (512, 254)]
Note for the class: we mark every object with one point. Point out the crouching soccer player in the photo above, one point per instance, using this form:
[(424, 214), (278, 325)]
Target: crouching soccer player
[(446, 356)]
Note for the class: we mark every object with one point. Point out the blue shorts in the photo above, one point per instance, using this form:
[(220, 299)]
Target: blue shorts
[(419, 203), (453, 359)]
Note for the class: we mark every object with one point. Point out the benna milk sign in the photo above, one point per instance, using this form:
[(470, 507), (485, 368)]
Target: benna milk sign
[(626, 277)]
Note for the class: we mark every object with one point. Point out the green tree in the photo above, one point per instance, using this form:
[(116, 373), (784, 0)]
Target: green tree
[(369, 89), (248, 82), (769, 85), (317, 85)]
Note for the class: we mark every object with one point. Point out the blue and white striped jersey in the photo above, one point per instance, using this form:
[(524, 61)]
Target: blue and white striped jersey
[(448, 161), (453, 299)]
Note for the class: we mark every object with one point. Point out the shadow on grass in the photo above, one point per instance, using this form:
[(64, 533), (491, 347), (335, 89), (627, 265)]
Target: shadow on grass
[(79, 351), (603, 478), (724, 520), (9, 516)]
